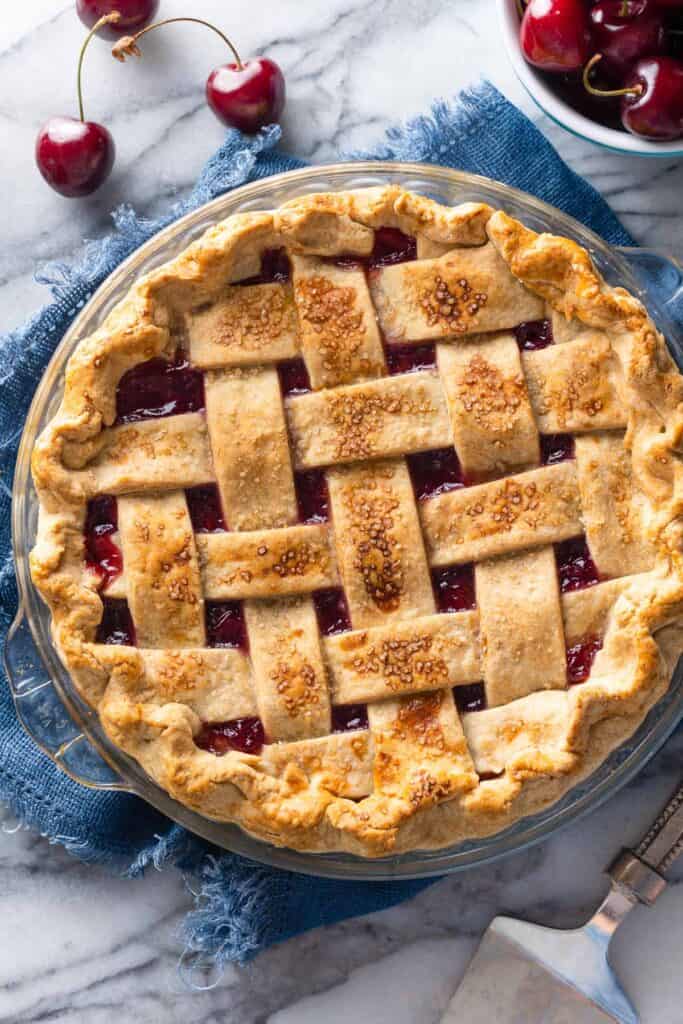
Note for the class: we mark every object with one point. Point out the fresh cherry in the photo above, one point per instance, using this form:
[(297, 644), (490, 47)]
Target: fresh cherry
[(247, 96), (555, 34), (73, 155), (242, 94), (135, 14), (624, 31), (655, 110)]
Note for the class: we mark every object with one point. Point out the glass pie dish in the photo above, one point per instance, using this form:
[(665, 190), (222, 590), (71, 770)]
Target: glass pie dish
[(69, 731)]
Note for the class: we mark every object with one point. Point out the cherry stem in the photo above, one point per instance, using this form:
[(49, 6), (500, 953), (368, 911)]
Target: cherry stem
[(197, 21), (629, 91), (107, 19), (520, 7)]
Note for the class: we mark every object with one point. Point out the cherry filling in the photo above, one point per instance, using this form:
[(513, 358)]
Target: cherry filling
[(116, 626), (575, 567), (225, 626), (580, 659), (435, 472), (556, 448), (409, 358), (332, 611), (312, 497), (294, 379), (204, 504), (244, 734), (390, 246), (275, 267), (470, 698), (347, 717), (102, 555), (159, 388), (534, 334), (454, 588)]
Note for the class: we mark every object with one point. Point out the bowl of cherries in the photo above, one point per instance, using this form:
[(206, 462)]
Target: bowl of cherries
[(610, 71)]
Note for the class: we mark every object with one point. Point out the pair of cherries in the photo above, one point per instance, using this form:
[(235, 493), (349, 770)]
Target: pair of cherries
[(630, 44), (76, 156)]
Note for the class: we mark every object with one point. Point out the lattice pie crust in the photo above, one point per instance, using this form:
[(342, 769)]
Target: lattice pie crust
[(415, 718)]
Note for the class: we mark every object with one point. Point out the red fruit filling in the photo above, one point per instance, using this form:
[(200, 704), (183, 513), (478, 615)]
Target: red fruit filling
[(275, 267), (435, 472), (206, 513), (332, 611), (390, 246), (580, 659), (470, 698), (116, 626), (454, 588), (556, 448), (312, 496), (243, 734), (102, 555), (409, 358), (347, 717), (294, 379), (159, 388), (225, 626), (534, 334), (575, 567)]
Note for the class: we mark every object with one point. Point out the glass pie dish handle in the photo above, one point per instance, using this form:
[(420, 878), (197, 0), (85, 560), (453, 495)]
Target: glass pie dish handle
[(659, 276), (45, 716)]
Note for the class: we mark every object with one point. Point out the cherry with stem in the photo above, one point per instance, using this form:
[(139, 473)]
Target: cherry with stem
[(624, 31), (73, 155), (242, 94), (606, 93), (651, 98)]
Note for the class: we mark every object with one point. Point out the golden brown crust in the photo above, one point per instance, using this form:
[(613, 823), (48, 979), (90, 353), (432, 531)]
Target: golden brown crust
[(420, 776)]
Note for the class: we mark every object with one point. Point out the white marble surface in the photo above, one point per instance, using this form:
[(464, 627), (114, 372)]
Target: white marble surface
[(77, 946)]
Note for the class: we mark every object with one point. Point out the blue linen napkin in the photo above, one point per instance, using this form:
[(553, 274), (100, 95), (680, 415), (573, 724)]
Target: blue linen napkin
[(240, 907)]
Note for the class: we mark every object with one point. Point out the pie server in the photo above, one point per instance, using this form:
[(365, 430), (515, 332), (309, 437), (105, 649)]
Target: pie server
[(527, 974)]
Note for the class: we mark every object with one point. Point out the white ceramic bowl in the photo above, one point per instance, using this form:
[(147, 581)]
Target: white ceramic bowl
[(562, 113)]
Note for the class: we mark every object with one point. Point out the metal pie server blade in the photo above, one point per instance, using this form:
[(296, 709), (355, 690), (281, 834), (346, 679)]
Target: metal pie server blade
[(519, 975), (527, 974)]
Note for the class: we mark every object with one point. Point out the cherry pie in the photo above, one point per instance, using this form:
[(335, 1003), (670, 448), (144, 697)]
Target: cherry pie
[(360, 521)]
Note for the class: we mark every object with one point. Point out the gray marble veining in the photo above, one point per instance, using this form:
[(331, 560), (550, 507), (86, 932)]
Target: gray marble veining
[(77, 946)]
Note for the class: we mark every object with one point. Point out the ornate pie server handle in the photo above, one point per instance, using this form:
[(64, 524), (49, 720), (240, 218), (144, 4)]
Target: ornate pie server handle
[(638, 873), (44, 716)]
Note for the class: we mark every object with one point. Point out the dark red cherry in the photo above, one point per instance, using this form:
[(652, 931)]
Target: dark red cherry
[(243, 94), (625, 30), (247, 95), (555, 34), (657, 111), (134, 15), (74, 157)]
